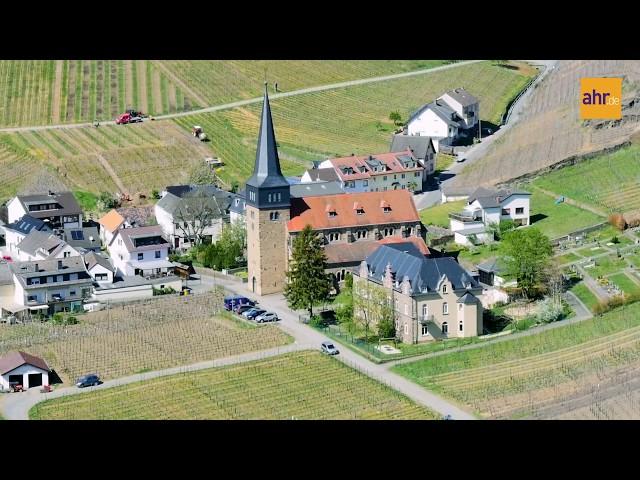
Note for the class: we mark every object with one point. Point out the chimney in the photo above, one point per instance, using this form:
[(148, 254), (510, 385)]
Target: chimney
[(36, 267)]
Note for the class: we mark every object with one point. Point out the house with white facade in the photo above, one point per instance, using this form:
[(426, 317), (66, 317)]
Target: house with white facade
[(186, 212), (38, 245), (16, 231), (447, 118), (140, 251), (380, 172), (20, 368), (58, 210), (51, 286), (100, 268), (485, 207)]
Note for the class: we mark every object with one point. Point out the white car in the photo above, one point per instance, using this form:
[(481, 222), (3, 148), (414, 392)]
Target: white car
[(267, 317), (328, 348)]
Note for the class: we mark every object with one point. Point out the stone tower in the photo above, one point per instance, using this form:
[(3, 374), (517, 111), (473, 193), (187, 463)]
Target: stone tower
[(268, 211)]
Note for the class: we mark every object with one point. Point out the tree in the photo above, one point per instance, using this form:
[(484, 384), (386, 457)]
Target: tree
[(307, 282), (196, 211), (526, 254), (372, 305), (618, 221), (395, 118), (107, 201), (203, 174)]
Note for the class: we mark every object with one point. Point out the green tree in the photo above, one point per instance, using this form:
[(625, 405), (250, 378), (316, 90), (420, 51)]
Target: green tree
[(372, 305), (395, 118), (307, 282), (526, 253)]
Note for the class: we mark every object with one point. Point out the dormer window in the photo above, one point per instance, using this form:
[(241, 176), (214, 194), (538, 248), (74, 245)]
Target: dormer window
[(333, 213), (360, 211), (444, 289), (386, 209)]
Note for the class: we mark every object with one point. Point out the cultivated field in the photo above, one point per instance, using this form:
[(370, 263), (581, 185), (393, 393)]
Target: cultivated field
[(302, 385), (610, 182), (35, 92), (531, 375), (151, 335), (550, 129)]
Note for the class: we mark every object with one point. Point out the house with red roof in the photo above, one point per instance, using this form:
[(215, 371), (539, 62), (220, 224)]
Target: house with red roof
[(20, 368)]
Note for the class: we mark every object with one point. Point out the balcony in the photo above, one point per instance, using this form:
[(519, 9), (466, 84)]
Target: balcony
[(425, 319), (465, 217)]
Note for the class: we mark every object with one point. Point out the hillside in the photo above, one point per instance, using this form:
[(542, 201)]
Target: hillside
[(550, 130)]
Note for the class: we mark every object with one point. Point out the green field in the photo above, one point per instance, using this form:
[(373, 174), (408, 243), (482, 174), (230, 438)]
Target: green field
[(439, 215), (87, 200), (443, 162), (304, 385), (500, 379), (606, 266), (610, 182), (587, 296), (626, 284), (557, 220), (567, 258), (591, 251)]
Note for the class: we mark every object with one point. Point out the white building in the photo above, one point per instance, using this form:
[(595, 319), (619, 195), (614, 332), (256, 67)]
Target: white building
[(100, 268), (20, 368), (45, 245), (58, 210), (16, 231), (140, 251), (446, 119), (186, 211), (485, 207), (51, 286)]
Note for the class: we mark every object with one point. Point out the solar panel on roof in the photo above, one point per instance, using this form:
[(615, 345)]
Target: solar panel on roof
[(77, 235)]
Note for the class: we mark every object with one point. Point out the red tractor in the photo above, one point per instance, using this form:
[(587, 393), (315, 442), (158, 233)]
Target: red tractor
[(130, 116)]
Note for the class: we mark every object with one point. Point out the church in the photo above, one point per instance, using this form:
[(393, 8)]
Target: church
[(353, 225)]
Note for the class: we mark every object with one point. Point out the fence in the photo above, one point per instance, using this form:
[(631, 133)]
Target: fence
[(556, 241)]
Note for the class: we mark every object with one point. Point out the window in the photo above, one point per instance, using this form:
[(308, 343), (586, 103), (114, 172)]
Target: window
[(269, 200), (395, 177), (406, 329), (425, 310), (32, 298), (274, 216), (157, 253), (252, 196), (361, 234), (519, 210), (34, 281), (384, 178), (279, 197), (140, 256), (445, 308), (460, 326), (334, 236), (360, 211), (425, 330), (386, 209), (403, 175), (506, 211), (445, 328), (406, 309), (252, 214), (66, 254), (459, 306), (417, 174), (444, 289), (333, 213), (72, 293), (365, 183), (119, 241), (102, 276)]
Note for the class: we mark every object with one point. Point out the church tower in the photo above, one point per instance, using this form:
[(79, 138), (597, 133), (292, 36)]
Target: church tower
[(268, 211)]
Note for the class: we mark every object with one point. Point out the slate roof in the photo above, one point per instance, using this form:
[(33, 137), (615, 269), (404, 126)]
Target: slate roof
[(323, 175), (24, 270), (92, 259), (26, 224), (13, 360), (179, 198), (463, 97), (340, 253), (37, 240), (314, 211), (491, 265), (468, 299), (442, 110), (315, 189), (81, 237), (68, 204), (238, 203), (129, 235), (419, 145), (491, 198), (425, 274)]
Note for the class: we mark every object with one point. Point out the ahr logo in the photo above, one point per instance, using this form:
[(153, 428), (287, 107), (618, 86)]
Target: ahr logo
[(600, 98)]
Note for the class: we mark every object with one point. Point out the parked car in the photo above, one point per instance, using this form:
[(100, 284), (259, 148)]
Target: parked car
[(243, 308), (233, 301), (461, 159), (328, 348), (267, 317), (88, 380), (252, 314)]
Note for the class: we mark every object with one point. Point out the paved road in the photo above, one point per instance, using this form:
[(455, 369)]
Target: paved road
[(228, 106), (16, 406), (478, 150)]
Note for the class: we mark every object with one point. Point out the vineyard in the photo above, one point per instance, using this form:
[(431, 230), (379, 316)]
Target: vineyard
[(611, 182), (303, 385), (347, 120), (550, 129), (150, 335), (531, 375), (36, 92)]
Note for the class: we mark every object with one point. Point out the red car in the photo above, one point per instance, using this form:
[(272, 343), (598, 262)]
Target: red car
[(7, 258), (127, 118)]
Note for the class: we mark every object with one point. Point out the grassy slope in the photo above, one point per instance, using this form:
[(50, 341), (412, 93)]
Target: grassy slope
[(587, 296), (303, 385), (439, 215), (557, 220), (625, 283)]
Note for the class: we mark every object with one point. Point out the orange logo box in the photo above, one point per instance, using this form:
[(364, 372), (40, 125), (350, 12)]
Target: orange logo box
[(601, 98)]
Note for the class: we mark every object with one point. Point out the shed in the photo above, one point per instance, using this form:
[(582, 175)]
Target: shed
[(20, 368)]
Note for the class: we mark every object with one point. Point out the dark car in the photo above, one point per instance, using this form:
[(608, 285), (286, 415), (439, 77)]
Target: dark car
[(88, 380), (254, 313), (243, 308)]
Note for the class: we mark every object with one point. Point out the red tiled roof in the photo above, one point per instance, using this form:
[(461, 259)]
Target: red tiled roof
[(355, 252), (357, 163), (313, 210), (13, 360)]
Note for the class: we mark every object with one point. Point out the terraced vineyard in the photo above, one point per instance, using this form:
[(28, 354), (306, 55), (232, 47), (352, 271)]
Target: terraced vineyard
[(303, 385), (150, 335), (539, 373), (36, 92), (610, 182)]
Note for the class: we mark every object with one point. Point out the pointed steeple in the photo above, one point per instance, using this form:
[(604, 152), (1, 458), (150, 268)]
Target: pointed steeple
[(267, 172)]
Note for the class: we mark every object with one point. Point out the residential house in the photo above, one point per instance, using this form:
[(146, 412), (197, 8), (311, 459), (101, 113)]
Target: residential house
[(351, 224), (431, 298), (58, 210), (85, 239), (423, 149), (99, 267), (380, 173), (446, 119), (140, 251), (20, 368), (16, 232), (189, 211), (491, 275), (51, 285), (237, 207), (38, 245), (320, 175), (109, 225), (485, 207)]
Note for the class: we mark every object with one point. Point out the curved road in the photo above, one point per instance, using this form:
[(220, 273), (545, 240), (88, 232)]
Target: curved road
[(241, 103)]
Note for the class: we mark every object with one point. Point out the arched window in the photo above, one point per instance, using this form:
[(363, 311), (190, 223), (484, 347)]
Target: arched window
[(274, 215), (444, 288), (445, 308), (425, 310), (445, 328)]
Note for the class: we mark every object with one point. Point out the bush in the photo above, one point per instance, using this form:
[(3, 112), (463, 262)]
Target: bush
[(386, 328), (155, 194), (618, 221), (549, 311), (71, 320), (316, 321), (163, 291)]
